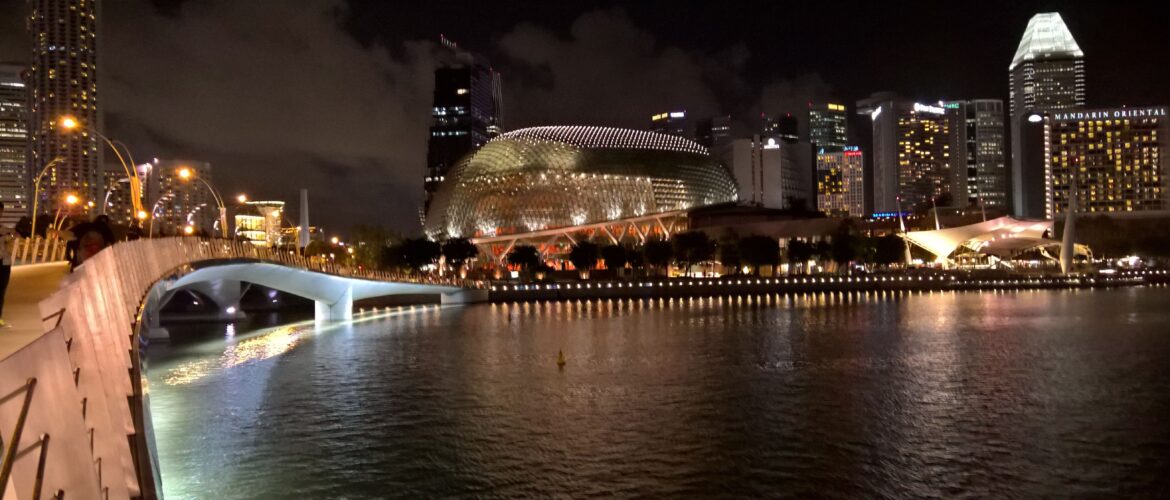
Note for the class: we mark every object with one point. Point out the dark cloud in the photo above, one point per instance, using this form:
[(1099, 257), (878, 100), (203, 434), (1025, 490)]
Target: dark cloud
[(280, 95)]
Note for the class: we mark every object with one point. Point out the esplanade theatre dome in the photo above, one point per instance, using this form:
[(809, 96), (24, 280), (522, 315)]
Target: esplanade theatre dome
[(552, 177)]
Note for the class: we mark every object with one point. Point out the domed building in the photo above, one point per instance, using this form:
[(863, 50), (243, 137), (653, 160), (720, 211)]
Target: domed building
[(541, 178)]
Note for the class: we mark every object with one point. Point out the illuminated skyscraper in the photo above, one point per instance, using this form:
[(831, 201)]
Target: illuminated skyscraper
[(63, 80), (467, 112), (826, 126), (1047, 75), (912, 161), (670, 122), (978, 146), (841, 182), (1112, 160), (14, 180)]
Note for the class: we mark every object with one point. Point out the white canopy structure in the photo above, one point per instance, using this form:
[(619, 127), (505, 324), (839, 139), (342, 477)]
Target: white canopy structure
[(1000, 237)]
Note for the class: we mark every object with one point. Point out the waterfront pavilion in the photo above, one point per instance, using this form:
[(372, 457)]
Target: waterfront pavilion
[(1002, 238)]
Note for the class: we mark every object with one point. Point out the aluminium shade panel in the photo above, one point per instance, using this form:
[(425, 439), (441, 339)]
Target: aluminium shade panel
[(550, 177)]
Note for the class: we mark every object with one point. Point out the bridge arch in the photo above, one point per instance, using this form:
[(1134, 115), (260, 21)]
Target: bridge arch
[(87, 367)]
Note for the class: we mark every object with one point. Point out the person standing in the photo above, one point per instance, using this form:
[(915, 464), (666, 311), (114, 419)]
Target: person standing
[(7, 236)]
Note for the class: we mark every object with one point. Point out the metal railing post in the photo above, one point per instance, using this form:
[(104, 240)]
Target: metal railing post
[(10, 454)]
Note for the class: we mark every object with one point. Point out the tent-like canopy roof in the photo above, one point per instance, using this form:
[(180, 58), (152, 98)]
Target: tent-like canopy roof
[(1001, 236)]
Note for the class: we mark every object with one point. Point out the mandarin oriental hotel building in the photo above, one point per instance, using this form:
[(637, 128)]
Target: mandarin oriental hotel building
[(1111, 160), (556, 180)]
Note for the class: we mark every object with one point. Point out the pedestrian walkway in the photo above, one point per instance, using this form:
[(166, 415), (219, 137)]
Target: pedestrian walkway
[(29, 286)]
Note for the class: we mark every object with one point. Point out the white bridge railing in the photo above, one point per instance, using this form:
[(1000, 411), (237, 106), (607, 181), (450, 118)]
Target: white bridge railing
[(37, 249), (80, 384)]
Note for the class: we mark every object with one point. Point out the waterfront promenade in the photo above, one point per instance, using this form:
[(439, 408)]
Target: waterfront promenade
[(817, 283)]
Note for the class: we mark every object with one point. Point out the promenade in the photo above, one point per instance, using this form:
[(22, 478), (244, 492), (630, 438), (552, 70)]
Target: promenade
[(29, 286)]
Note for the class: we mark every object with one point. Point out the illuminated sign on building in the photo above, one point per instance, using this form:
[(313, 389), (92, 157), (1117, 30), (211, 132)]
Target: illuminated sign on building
[(926, 108), (678, 114), (1111, 113), (836, 107)]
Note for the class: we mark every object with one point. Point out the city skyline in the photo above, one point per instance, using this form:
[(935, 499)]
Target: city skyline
[(374, 145)]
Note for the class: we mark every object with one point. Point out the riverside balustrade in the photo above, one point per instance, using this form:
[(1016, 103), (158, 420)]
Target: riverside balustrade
[(37, 250)]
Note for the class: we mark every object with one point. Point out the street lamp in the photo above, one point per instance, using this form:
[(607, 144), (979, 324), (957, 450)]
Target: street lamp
[(242, 198), (69, 124), (37, 191), (70, 200), (186, 174), (153, 210)]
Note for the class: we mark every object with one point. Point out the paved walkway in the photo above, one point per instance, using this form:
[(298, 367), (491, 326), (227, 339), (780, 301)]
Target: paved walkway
[(29, 286)]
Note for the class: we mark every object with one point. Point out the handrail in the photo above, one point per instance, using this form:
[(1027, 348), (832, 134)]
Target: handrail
[(40, 481), (10, 454), (59, 315)]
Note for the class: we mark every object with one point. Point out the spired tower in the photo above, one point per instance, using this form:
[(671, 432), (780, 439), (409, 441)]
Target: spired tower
[(1047, 74), (62, 81)]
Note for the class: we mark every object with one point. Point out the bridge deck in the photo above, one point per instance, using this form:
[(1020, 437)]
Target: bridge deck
[(29, 286)]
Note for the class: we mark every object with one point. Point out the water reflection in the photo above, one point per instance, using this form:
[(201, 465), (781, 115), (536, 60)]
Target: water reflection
[(822, 394)]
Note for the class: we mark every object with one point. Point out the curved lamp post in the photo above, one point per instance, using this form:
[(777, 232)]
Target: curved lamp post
[(68, 123), (37, 191), (185, 174)]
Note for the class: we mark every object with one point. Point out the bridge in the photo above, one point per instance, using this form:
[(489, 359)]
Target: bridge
[(74, 409)]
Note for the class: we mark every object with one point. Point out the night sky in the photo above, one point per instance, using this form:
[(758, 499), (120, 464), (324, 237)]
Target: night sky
[(335, 95)]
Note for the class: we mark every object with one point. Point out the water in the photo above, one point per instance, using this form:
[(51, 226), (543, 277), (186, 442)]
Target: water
[(1016, 394)]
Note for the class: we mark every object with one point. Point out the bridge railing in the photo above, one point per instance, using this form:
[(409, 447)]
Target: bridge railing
[(90, 393), (37, 249)]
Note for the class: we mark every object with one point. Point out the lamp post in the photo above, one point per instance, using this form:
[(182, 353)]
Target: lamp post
[(68, 123), (165, 197), (188, 174), (37, 191), (70, 200)]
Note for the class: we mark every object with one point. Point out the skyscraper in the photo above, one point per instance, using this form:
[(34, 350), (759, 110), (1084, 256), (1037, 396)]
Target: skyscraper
[(978, 147), (773, 173), (841, 182), (912, 161), (63, 81), (781, 126), (14, 177), (1111, 160), (467, 112), (714, 132), (826, 126), (1047, 75), (671, 123), (176, 202)]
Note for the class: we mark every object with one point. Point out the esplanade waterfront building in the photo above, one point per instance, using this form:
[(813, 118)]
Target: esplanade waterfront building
[(544, 185)]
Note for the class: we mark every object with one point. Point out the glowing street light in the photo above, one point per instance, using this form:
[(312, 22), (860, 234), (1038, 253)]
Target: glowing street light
[(188, 230), (70, 124), (186, 174), (142, 214), (72, 199), (334, 240), (242, 198)]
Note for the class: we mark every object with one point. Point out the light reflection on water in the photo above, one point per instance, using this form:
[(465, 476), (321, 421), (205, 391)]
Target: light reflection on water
[(996, 394)]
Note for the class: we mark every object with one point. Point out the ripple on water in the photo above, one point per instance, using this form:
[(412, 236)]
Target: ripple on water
[(934, 395)]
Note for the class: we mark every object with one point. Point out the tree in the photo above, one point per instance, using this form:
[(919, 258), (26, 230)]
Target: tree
[(524, 256), (843, 248), (760, 251), (692, 247), (658, 253), (583, 255), (458, 251), (316, 248), (730, 255), (419, 252), (891, 249), (615, 256), (368, 243), (799, 253)]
